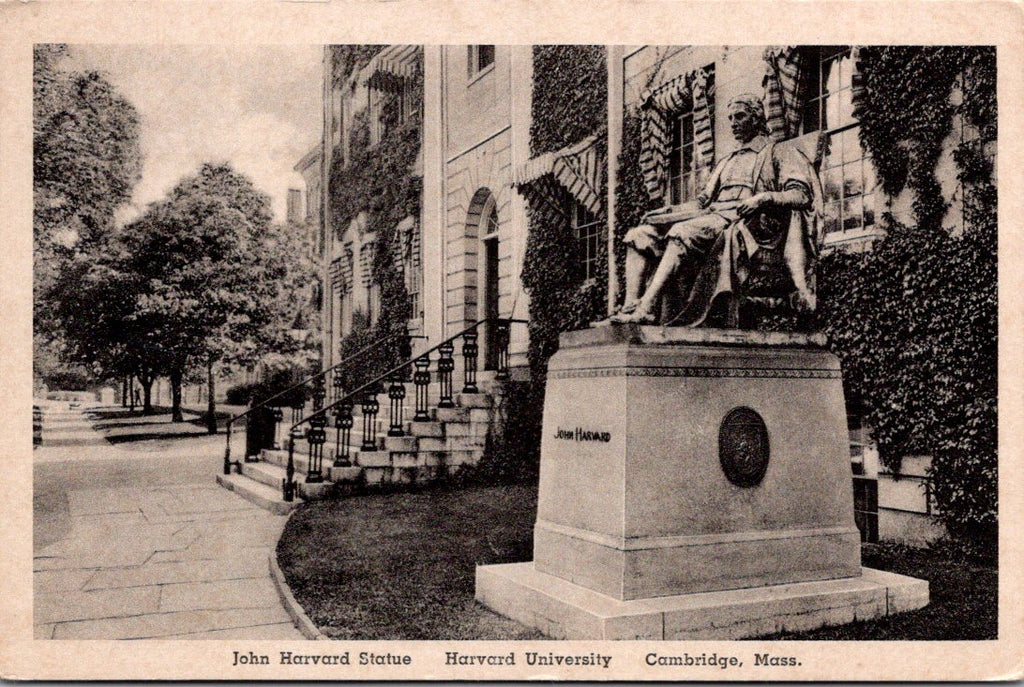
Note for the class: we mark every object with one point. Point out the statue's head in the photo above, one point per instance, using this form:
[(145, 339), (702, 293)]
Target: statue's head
[(746, 117)]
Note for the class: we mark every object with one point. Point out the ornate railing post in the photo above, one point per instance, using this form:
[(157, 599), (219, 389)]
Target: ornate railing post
[(343, 424), (502, 338), (445, 366), (227, 450), (470, 353), (337, 384), (421, 378), (298, 405), (319, 393), (278, 417), (370, 407), (316, 435), (396, 394), (288, 482)]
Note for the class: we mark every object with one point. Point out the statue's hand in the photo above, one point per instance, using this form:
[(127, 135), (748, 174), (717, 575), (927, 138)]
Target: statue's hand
[(703, 200), (753, 205)]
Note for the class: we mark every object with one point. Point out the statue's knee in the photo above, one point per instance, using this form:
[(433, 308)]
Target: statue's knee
[(639, 234), (643, 239)]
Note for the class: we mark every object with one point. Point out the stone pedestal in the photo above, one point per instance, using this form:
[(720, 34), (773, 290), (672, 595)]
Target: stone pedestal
[(677, 463)]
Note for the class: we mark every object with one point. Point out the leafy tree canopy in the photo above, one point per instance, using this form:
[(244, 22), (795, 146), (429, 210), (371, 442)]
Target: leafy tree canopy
[(86, 160)]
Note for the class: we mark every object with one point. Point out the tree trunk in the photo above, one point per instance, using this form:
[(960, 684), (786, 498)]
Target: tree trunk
[(175, 378), (124, 391), (211, 419), (147, 395), (131, 394)]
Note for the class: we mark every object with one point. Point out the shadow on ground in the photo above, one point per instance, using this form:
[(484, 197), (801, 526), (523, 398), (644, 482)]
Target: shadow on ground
[(123, 426)]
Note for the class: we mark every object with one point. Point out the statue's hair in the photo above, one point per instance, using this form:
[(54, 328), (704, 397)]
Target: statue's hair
[(755, 106)]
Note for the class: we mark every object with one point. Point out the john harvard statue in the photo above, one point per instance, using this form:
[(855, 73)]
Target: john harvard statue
[(753, 233)]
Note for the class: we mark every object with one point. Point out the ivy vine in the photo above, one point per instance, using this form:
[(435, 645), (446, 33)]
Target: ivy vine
[(378, 182), (569, 104), (570, 95), (914, 320)]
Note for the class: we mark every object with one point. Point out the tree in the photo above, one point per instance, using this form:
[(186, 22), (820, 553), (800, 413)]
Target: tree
[(114, 339), (86, 160), (213, 275)]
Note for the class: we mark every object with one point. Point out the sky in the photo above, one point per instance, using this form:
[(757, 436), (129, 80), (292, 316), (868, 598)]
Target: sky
[(257, 107)]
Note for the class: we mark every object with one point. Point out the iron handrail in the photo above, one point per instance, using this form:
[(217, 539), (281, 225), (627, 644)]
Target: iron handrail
[(386, 375), (293, 387), (323, 373)]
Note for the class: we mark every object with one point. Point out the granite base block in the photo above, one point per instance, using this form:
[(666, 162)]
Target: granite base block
[(563, 610)]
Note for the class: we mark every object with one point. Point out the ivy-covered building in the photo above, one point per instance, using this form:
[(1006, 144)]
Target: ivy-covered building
[(467, 182), (904, 140)]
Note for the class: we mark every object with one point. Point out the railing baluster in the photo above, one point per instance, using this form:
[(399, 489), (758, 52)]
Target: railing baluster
[(227, 449), (316, 435), (470, 353), (415, 370), (298, 405), (396, 393), (288, 483), (445, 366), (370, 409), (502, 331), (421, 378), (332, 380), (278, 416), (343, 423), (337, 383)]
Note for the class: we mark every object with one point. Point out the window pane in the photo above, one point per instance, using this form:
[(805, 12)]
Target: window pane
[(869, 210), (811, 115), (831, 217), (686, 127), (830, 76), (831, 185), (831, 112), (851, 145), (686, 159), (852, 179), (845, 107), (852, 213)]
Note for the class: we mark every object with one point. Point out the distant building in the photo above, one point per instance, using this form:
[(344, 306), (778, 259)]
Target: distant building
[(310, 167), (293, 212)]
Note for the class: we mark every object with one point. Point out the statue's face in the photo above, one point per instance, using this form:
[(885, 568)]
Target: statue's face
[(744, 124)]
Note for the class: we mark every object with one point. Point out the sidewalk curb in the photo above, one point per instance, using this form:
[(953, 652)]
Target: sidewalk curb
[(298, 616)]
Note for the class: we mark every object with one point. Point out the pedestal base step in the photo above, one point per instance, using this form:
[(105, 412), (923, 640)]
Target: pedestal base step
[(563, 610)]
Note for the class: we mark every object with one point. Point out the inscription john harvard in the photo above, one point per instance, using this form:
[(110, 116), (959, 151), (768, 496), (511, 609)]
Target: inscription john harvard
[(580, 434)]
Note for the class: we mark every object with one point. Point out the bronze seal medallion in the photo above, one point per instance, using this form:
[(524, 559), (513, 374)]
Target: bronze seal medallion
[(743, 449)]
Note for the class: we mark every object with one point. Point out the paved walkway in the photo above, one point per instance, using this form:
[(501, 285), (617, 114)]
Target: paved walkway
[(183, 561)]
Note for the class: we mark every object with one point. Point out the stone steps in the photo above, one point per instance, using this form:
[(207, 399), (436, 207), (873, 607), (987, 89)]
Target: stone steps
[(62, 427), (427, 451), (259, 494)]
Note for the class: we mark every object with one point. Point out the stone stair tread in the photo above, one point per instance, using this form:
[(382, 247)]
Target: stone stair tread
[(259, 494), (265, 473)]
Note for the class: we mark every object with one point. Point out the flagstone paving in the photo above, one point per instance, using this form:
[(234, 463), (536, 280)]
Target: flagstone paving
[(185, 560)]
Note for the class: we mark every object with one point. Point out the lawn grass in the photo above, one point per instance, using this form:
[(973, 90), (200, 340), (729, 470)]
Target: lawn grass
[(963, 598), (402, 565), (151, 432)]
